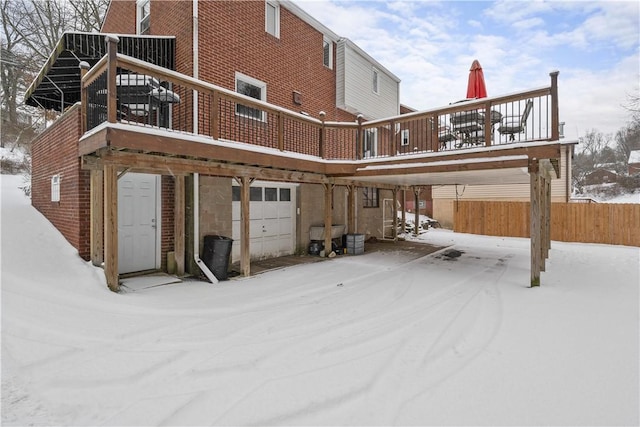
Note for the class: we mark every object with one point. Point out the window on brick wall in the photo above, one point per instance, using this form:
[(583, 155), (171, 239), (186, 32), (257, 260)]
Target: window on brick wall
[(404, 137), (370, 143), (255, 89), (143, 14), (55, 188), (272, 18), (327, 49), (370, 197)]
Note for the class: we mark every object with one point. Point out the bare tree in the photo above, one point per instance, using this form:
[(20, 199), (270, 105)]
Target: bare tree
[(88, 15)]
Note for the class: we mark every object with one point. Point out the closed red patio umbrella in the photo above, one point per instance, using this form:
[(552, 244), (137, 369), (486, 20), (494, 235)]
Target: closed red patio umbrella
[(476, 87)]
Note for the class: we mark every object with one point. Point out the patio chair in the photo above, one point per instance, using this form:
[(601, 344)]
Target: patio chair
[(445, 134), (511, 125)]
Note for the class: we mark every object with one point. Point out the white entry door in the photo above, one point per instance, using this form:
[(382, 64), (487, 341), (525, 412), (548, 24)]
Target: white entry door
[(271, 220), (138, 222)]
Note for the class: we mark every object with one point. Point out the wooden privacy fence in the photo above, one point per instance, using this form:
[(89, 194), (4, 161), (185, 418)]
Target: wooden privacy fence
[(613, 224)]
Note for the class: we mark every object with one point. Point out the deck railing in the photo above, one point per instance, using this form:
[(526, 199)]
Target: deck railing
[(126, 90)]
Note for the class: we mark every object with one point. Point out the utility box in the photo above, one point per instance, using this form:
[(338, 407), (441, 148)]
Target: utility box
[(355, 244)]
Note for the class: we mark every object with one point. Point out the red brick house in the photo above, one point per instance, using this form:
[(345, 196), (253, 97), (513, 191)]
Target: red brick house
[(246, 119)]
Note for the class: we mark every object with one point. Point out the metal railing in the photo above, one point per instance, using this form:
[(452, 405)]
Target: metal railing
[(126, 90)]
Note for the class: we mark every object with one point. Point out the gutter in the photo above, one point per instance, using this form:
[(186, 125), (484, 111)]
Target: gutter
[(196, 177)]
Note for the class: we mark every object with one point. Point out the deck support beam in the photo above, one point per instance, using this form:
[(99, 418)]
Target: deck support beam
[(395, 214), (96, 214), (416, 208), (245, 238), (179, 224), (328, 217), (351, 209), (111, 227)]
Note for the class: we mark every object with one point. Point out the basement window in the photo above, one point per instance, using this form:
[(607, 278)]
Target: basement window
[(55, 188)]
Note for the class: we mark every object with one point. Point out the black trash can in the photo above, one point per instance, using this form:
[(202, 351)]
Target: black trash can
[(217, 250)]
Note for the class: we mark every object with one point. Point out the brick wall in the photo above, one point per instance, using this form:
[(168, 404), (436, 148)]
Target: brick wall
[(120, 17), (167, 213), (54, 152)]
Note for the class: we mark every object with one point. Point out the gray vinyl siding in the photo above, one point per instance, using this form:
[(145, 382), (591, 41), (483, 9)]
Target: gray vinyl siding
[(354, 91)]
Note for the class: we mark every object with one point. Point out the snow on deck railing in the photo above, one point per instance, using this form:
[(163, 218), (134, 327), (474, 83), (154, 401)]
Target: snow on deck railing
[(148, 95)]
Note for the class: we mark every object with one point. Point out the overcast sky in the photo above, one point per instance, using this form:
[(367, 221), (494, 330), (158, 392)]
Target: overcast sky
[(430, 45)]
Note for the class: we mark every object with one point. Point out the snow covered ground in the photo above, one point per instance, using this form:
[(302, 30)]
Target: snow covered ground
[(374, 339)]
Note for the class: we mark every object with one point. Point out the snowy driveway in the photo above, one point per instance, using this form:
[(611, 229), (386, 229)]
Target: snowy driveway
[(375, 339)]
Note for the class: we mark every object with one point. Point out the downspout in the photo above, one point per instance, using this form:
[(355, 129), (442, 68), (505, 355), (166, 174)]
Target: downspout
[(196, 177)]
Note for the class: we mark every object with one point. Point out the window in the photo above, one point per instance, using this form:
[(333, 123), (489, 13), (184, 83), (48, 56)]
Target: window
[(370, 197), (235, 194), (370, 143), (255, 89), (327, 48), (55, 188), (375, 80), (270, 194), (255, 194), (404, 137), (143, 14), (272, 18), (285, 194)]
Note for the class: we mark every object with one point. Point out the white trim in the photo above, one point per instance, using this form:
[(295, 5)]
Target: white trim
[(276, 24), (263, 94), (326, 40), (375, 80), (158, 221), (55, 188), (404, 132), (139, 18)]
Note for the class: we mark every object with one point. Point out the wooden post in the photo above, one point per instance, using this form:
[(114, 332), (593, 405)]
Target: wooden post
[(322, 150), (404, 209), (416, 198), (547, 217), (534, 178), (111, 227), (392, 139), (488, 126), (245, 248), (435, 125), (280, 131), (360, 138), (395, 214), (84, 67), (215, 116), (96, 214), (112, 70), (178, 224), (555, 114), (351, 209), (328, 217), (543, 223)]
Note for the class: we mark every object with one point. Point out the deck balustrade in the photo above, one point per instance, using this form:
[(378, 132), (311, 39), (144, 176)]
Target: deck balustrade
[(151, 96)]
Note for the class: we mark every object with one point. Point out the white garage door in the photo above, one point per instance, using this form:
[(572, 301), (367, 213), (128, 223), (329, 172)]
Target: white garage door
[(272, 220)]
